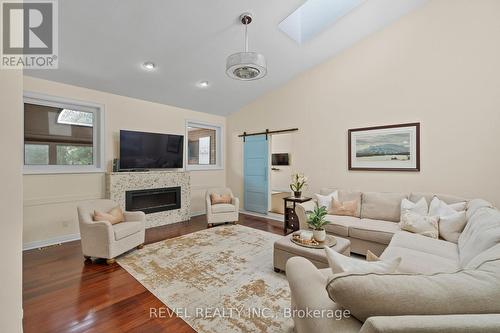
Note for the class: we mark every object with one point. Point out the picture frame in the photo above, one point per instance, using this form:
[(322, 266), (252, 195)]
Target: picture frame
[(385, 148)]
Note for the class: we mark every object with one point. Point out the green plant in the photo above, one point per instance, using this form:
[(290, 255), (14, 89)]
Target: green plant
[(298, 182), (316, 218)]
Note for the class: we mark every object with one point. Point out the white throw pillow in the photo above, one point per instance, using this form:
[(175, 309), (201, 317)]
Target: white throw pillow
[(326, 200), (420, 207), (452, 218), (420, 224), (340, 263)]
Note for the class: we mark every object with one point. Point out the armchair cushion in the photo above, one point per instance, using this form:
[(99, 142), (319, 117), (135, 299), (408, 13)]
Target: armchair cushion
[(125, 229), (223, 208)]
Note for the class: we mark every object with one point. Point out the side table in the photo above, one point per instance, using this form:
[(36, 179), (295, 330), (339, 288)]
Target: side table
[(291, 219)]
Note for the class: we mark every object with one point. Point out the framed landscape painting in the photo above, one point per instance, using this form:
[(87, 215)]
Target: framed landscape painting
[(385, 148)]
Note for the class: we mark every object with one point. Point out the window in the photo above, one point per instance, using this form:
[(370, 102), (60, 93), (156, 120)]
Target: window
[(61, 136), (204, 146)]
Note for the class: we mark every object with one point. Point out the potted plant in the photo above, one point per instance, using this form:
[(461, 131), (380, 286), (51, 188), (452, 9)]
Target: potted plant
[(298, 183), (316, 220)]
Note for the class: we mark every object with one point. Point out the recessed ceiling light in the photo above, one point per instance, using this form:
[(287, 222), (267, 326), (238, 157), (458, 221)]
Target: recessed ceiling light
[(149, 66), (203, 84)]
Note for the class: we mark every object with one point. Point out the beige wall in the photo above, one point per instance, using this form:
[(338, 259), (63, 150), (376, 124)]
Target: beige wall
[(11, 87), (50, 200), (438, 65)]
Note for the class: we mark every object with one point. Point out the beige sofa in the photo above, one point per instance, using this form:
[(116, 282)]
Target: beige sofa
[(376, 220), (439, 287)]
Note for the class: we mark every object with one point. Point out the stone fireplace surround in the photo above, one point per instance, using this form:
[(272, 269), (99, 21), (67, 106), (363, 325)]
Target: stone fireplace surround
[(118, 183)]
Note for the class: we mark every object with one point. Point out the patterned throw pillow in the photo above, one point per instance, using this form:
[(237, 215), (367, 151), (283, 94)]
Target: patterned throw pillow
[(220, 198), (114, 216), (346, 208), (420, 224)]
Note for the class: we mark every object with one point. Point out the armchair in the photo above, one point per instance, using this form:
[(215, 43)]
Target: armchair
[(222, 213), (101, 239)]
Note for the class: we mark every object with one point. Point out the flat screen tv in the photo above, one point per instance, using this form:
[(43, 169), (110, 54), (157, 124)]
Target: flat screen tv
[(140, 150), (280, 159)]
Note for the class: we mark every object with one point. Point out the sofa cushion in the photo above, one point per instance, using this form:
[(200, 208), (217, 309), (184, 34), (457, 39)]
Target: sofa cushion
[(223, 208), (467, 291), (427, 245), (481, 233), (377, 231), (382, 206), (413, 261), (125, 229), (340, 224), (449, 199)]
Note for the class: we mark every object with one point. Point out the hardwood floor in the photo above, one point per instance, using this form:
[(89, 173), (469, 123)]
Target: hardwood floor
[(62, 293)]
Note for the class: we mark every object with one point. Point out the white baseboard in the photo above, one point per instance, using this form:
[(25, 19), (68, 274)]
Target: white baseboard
[(68, 238), (271, 216), (51, 241)]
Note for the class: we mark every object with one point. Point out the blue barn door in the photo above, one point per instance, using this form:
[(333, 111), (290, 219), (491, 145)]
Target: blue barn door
[(255, 169)]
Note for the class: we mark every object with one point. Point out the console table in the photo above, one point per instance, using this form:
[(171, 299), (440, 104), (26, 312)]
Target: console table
[(291, 219)]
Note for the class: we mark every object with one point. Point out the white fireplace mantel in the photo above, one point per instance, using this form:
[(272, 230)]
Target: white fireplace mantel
[(117, 183)]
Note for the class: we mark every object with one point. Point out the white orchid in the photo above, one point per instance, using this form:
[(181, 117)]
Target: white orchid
[(298, 182)]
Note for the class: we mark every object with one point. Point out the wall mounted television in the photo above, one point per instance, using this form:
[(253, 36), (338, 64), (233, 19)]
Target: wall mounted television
[(280, 159), (141, 150)]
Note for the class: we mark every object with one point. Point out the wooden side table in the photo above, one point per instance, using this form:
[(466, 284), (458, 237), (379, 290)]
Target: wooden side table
[(291, 219)]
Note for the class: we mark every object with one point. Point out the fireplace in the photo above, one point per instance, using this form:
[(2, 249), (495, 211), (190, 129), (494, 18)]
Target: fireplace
[(153, 200)]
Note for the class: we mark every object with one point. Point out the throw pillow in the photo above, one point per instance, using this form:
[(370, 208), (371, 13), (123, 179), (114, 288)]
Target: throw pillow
[(420, 207), (114, 216), (370, 256), (326, 200), (452, 218), (420, 224), (346, 208), (216, 199), (340, 263)]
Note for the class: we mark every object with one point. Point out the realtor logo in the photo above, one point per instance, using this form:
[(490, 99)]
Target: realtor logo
[(29, 34)]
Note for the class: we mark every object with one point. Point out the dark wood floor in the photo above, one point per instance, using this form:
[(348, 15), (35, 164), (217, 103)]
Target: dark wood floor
[(61, 293)]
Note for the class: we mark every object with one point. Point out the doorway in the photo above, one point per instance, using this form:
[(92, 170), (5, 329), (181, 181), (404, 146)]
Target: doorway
[(281, 147)]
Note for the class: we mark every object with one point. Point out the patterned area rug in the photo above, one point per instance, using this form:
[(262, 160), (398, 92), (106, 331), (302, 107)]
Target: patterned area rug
[(217, 280)]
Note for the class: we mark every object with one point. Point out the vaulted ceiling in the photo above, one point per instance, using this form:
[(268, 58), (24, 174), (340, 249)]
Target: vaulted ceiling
[(102, 45)]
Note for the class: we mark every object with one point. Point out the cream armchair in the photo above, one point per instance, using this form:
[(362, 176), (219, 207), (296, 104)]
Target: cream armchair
[(222, 213), (101, 239)]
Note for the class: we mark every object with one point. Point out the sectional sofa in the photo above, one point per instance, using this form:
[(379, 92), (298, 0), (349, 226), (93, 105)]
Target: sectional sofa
[(440, 286), (376, 219)]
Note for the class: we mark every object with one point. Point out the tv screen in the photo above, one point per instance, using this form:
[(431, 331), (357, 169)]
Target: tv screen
[(279, 159), (140, 150)]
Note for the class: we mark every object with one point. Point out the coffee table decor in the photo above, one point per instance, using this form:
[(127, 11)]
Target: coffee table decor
[(312, 243), (285, 248)]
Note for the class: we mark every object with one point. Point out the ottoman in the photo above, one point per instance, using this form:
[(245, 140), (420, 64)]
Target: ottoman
[(284, 249)]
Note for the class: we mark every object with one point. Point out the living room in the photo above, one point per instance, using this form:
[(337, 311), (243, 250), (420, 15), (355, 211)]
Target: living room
[(128, 115)]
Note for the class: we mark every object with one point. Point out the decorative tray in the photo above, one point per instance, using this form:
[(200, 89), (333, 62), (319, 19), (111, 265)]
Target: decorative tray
[(313, 244)]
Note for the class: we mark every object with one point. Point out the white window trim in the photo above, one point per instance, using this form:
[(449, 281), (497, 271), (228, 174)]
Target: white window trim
[(98, 134), (219, 149)]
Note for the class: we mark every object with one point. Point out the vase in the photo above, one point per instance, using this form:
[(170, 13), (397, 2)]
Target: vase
[(297, 194), (319, 235)]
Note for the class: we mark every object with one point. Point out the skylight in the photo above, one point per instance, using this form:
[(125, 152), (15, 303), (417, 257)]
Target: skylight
[(314, 16), (73, 117)]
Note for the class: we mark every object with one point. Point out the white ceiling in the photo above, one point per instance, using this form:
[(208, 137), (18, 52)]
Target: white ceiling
[(103, 43)]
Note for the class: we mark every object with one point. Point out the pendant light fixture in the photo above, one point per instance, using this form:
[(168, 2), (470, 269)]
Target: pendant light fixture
[(246, 66)]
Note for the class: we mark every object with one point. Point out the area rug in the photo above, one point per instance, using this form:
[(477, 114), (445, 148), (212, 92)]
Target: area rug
[(217, 280)]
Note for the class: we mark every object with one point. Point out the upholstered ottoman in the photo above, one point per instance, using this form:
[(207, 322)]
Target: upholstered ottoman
[(284, 249)]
